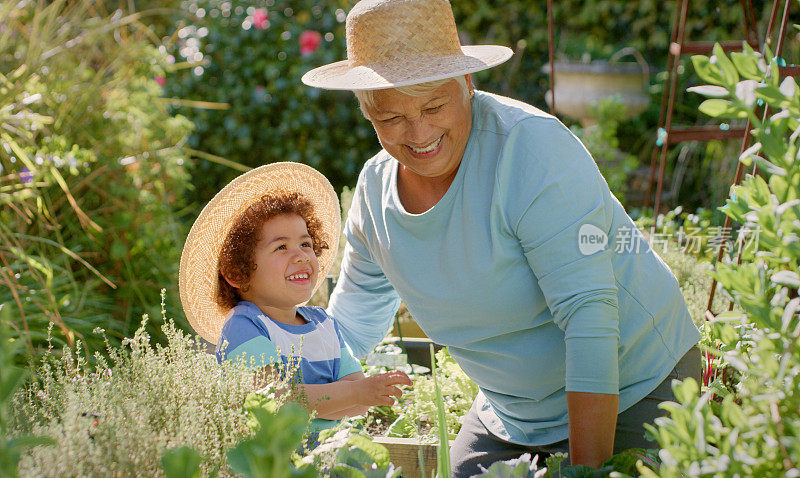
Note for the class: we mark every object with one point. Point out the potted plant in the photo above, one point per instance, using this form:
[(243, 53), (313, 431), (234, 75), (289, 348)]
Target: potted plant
[(585, 74)]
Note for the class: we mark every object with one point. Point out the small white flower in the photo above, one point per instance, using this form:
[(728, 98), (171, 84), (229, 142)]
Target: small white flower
[(788, 87), (746, 91)]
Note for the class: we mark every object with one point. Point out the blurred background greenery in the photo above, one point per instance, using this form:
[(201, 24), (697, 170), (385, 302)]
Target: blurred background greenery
[(121, 119)]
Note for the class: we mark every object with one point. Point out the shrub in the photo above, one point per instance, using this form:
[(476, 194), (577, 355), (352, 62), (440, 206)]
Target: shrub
[(250, 54), (753, 432), (117, 418), (93, 173)]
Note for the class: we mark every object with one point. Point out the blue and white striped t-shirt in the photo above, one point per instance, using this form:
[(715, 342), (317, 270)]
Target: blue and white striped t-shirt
[(250, 335)]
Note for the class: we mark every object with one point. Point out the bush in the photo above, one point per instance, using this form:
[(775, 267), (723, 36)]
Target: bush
[(117, 418), (93, 173), (253, 54), (252, 62), (752, 432)]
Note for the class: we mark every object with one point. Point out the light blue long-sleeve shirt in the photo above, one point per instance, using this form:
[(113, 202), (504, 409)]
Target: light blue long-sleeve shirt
[(510, 271)]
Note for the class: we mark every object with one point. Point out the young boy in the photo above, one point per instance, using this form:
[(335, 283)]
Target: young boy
[(259, 249)]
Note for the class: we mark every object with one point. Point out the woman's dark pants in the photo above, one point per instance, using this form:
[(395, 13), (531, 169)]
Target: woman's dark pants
[(475, 445)]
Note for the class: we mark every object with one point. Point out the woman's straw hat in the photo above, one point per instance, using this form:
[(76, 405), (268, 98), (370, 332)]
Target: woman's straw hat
[(198, 276), (394, 43)]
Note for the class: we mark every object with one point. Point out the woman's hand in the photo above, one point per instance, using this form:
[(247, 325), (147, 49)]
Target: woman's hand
[(380, 389)]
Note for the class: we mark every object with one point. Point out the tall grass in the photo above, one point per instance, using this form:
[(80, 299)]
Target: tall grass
[(91, 172)]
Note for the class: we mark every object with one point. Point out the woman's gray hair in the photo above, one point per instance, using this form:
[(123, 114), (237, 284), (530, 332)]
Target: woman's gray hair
[(366, 98)]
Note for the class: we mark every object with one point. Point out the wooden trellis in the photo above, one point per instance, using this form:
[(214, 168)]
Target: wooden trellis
[(668, 134)]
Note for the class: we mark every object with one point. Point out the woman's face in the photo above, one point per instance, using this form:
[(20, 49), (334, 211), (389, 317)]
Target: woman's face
[(426, 134)]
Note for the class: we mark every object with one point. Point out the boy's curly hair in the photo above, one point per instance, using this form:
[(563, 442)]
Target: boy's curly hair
[(238, 250)]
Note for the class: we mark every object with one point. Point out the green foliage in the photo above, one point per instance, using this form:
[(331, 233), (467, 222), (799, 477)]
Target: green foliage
[(624, 464), (181, 462), (93, 180), (644, 25), (134, 405), (266, 454), (754, 431), (271, 116), (363, 458), (255, 68), (418, 406), (522, 467), (443, 451), (601, 140), (11, 378)]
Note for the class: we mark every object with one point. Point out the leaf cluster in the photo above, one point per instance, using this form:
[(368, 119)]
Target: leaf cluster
[(752, 432), (269, 114)]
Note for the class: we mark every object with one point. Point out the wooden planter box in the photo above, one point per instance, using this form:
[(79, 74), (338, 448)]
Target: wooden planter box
[(404, 453)]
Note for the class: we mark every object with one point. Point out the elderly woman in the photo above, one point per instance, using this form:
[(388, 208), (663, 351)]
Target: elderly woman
[(492, 223)]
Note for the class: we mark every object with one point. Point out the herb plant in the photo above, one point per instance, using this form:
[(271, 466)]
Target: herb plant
[(752, 432)]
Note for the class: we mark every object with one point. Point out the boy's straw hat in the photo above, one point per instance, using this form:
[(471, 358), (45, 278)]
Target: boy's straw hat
[(394, 43), (198, 276)]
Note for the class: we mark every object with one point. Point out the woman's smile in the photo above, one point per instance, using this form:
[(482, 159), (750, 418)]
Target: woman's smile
[(427, 151)]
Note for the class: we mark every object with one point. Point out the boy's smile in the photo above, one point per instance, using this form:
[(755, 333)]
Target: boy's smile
[(286, 268)]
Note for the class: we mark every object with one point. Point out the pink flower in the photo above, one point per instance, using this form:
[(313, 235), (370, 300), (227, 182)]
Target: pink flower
[(260, 19), (161, 80), (309, 42)]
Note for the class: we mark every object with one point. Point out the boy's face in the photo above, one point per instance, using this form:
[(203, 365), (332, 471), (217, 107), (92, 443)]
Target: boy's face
[(286, 266)]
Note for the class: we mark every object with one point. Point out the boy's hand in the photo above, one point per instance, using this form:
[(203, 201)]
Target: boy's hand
[(381, 389)]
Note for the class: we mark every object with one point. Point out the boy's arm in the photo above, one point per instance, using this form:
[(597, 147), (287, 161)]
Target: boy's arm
[(332, 400), (355, 409), (353, 393)]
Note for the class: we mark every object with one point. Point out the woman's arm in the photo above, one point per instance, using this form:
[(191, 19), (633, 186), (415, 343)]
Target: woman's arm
[(592, 421), (559, 203), (363, 302)]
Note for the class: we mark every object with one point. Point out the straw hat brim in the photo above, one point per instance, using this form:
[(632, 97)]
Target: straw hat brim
[(198, 279), (341, 75)]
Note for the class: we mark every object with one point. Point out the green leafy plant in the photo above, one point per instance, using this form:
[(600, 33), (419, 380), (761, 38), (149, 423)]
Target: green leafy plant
[(267, 453), (92, 173), (443, 452), (249, 55), (753, 431), (181, 462), (418, 407), (134, 404), (621, 465), (11, 378), (363, 458)]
